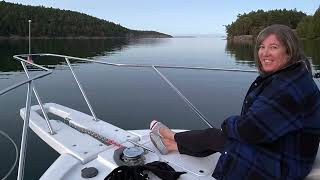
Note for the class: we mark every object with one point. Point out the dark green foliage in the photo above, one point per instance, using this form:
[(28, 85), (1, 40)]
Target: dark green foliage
[(50, 22), (253, 22), (309, 26)]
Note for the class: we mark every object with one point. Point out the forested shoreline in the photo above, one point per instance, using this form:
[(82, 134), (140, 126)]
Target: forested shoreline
[(56, 23), (50, 23), (247, 26)]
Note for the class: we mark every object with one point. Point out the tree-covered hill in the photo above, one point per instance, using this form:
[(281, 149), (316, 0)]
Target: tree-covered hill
[(253, 22), (309, 26), (53, 23)]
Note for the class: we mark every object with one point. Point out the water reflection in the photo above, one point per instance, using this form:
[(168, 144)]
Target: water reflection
[(72, 47), (243, 52)]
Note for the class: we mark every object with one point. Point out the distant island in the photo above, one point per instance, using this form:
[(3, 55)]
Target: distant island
[(247, 26), (56, 23)]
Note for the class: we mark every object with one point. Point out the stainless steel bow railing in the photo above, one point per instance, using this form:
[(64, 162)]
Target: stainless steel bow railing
[(154, 67)]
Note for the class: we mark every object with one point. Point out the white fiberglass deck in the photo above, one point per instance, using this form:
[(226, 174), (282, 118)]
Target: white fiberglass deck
[(79, 150)]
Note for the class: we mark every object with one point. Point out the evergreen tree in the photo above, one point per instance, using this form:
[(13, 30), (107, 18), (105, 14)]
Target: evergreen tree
[(309, 26)]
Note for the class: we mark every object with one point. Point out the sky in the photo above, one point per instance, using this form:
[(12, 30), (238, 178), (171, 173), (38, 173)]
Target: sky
[(174, 17)]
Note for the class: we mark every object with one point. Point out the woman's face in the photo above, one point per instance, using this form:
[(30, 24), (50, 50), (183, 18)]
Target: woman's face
[(272, 54)]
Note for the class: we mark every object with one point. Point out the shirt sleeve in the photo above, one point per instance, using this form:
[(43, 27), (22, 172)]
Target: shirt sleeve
[(271, 115)]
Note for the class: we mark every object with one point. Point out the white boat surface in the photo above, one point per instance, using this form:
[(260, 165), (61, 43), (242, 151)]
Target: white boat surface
[(80, 150)]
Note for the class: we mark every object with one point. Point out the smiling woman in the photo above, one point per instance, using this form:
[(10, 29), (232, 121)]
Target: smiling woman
[(276, 136)]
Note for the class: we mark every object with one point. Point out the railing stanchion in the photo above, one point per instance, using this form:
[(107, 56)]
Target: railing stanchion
[(39, 100), (81, 89), (24, 137), (203, 118)]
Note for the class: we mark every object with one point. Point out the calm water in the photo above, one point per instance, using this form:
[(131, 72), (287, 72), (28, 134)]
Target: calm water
[(128, 97)]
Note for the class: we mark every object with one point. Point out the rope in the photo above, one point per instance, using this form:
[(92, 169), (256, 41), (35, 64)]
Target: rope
[(93, 134)]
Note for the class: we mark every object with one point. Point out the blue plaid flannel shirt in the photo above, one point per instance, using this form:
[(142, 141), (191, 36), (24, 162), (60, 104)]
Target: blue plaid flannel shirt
[(277, 134)]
